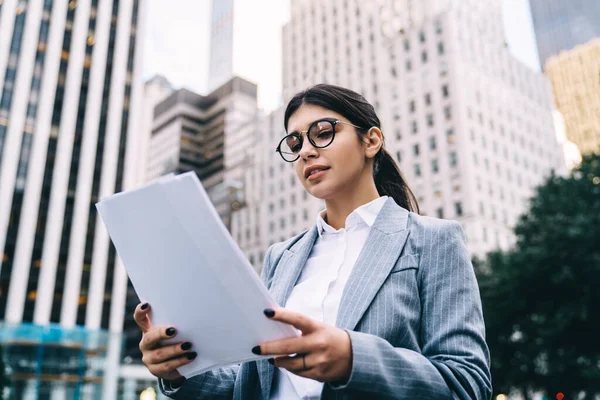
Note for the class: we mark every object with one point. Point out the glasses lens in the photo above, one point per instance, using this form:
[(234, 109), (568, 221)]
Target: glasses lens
[(290, 147), (321, 133)]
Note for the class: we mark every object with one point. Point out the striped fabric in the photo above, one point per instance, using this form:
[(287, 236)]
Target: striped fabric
[(411, 307)]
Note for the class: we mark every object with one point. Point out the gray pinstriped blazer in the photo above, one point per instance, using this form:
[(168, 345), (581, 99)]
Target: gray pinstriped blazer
[(411, 307)]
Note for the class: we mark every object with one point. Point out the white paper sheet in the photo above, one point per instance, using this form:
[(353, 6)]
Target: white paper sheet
[(181, 259)]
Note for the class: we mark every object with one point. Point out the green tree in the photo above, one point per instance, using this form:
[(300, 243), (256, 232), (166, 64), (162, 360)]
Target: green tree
[(541, 300)]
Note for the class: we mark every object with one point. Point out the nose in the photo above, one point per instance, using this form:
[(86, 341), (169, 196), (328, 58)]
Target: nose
[(308, 150)]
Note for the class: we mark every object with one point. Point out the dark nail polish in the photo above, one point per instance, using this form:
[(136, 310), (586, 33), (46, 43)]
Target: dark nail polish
[(170, 331), (256, 350), (175, 383), (269, 313), (192, 355), (144, 306), (186, 346), (271, 361)]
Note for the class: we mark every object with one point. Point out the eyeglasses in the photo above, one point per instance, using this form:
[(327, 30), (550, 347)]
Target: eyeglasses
[(320, 134)]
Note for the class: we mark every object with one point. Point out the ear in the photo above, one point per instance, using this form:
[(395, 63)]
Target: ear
[(373, 141)]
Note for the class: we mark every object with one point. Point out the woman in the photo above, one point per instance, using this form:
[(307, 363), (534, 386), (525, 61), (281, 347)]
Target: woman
[(386, 300)]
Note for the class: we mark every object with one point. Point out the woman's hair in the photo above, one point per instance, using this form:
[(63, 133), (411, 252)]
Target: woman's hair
[(354, 107)]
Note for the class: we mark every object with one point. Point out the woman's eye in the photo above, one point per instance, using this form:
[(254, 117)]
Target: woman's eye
[(296, 148), (325, 134)]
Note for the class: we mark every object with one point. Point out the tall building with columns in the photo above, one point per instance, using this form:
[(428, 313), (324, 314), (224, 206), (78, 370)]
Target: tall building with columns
[(70, 96)]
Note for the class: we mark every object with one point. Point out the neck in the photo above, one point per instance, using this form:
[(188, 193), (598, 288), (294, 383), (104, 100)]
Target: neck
[(342, 205)]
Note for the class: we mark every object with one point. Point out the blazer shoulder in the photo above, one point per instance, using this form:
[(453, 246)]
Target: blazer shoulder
[(423, 222), (425, 229)]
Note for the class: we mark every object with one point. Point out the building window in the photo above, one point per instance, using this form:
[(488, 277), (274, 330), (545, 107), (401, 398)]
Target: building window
[(439, 212), (424, 57), (438, 27), (434, 166), (411, 106), (440, 48), (422, 36), (408, 65), (445, 91), (448, 112), (416, 149), (398, 156), (417, 170), (406, 45), (429, 119), (432, 143), (414, 127), (450, 135), (428, 99), (458, 208), (453, 159)]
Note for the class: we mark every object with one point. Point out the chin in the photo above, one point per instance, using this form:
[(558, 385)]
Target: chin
[(322, 191)]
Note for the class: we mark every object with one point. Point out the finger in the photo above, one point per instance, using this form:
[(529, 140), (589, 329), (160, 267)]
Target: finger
[(165, 353), (141, 317), (297, 320), (154, 336), (299, 363), (168, 369), (299, 345)]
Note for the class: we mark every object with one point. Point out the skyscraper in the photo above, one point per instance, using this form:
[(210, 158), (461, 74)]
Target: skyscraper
[(575, 78), (562, 24), (470, 126), (70, 98), (220, 67)]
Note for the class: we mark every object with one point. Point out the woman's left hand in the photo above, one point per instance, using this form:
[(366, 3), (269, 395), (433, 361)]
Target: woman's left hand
[(323, 352)]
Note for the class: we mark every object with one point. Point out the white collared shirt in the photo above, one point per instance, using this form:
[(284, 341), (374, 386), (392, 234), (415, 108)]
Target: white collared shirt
[(319, 289)]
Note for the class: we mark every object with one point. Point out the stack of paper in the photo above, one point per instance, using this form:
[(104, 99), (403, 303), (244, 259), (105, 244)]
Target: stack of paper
[(181, 259)]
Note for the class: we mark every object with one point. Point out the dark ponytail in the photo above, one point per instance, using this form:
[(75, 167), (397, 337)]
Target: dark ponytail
[(389, 181), (354, 107)]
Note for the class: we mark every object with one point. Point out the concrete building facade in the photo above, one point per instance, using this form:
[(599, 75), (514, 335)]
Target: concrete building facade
[(470, 126), (574, 75), (70, 97)]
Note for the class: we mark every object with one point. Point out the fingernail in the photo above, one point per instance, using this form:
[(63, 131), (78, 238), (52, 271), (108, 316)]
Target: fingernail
[(256, 350), (186, 346), (177, 382), (269, 313), (192, 355), (170, 331), (271, 361), (144, 306)]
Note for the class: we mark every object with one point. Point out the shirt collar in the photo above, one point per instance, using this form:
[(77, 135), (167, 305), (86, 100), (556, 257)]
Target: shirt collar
[(367, 213)]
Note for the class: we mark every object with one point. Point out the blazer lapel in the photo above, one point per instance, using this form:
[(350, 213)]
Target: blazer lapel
[(287, 273), (375, 262)]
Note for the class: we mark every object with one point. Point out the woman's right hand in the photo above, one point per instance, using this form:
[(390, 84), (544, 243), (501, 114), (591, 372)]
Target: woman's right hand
[(161, 361)]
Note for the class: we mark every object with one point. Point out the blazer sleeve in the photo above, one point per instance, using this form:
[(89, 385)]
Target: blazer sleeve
[(454, 359), (218, 383)]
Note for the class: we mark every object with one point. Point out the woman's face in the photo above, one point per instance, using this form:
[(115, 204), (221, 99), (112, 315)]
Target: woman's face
[(341, 164)]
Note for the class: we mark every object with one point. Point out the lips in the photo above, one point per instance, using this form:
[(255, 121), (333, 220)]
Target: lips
[(314, 169)]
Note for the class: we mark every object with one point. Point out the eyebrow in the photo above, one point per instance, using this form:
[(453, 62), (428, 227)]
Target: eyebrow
[(311, 124)]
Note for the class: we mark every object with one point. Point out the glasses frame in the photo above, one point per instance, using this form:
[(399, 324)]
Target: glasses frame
[(332, 121)]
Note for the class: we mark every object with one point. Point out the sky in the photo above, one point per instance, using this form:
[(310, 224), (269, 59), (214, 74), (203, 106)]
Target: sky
[(177, 42)]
